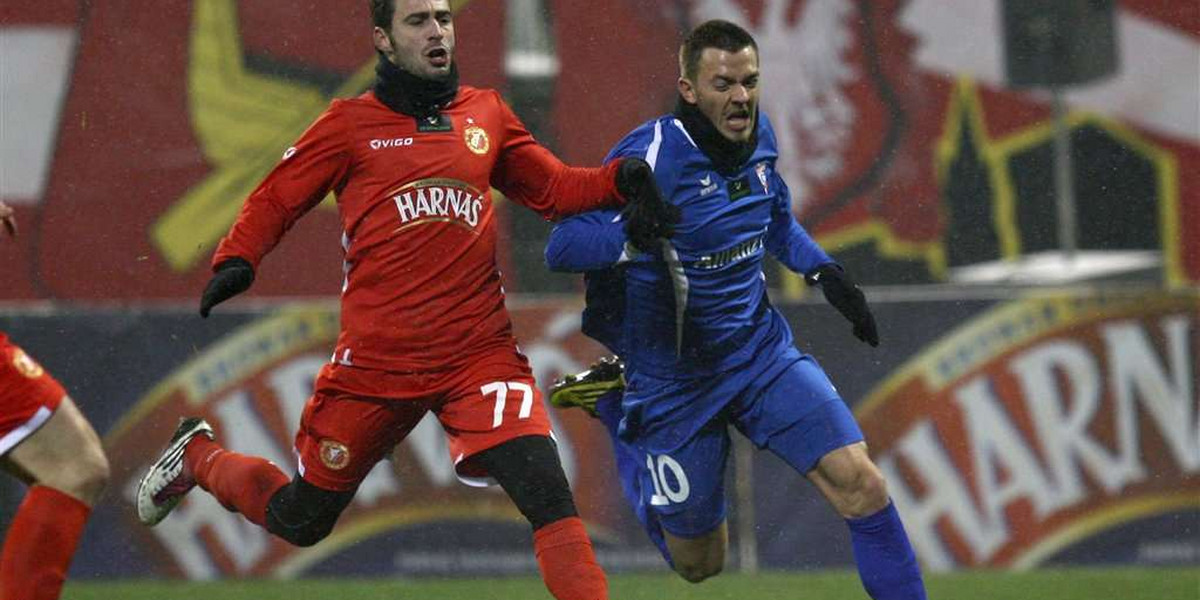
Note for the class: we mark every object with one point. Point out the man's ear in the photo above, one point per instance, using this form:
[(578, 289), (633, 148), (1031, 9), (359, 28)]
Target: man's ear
[(687, 90), (383, 42)]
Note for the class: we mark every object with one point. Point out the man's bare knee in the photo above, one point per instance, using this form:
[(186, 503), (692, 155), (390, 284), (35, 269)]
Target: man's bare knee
[(83, 478), (695, 573), (697, 559), (92, 477), (868, 495), (851, 482)]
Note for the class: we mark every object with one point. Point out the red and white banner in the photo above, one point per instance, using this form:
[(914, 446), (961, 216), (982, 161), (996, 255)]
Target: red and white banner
[(1041, 423), (143, 125)]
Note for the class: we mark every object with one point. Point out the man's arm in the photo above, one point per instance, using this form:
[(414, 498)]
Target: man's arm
[(588, 242), (318, 163), (787, 240), (532, 176), (792, 245)]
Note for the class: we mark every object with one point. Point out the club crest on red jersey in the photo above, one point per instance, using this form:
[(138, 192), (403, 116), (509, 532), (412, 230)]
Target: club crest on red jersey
[(477, 139)]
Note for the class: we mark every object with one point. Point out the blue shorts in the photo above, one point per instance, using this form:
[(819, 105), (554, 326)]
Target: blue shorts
[(796, 414)]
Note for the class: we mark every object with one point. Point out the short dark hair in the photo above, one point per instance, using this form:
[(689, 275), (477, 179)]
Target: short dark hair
[(717, 33), (382, 12)]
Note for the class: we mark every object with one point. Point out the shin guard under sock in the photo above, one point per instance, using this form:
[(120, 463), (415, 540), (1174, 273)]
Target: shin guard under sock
[(886, 562), (568, 562), (239, 482), (40, 543)]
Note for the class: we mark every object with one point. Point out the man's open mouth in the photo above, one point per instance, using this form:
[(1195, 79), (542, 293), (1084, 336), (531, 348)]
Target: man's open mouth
[(438, 56)]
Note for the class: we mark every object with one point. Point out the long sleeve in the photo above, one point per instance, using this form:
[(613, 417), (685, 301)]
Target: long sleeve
[(533, 177), (318, 163), (587, 242), (787, 240), (594, 243)]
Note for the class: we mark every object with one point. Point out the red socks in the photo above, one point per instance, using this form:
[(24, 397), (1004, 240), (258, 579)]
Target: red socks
[(568, 563), (246, 483), (240, 483), (40, 543)]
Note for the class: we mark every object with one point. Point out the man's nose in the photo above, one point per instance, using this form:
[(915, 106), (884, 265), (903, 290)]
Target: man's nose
[(740, 95)]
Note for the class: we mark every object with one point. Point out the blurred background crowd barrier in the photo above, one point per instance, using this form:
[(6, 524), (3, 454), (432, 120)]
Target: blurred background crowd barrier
[(1019, 190)]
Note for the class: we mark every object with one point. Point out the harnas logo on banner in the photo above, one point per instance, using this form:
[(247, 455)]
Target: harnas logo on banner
[(1041, 425)]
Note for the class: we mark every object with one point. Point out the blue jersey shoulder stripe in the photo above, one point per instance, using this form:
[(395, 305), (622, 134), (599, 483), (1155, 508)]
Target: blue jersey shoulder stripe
[(655, 145)]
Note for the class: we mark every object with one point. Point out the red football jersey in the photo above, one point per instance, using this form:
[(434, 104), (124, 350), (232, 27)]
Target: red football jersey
[(422, 289)]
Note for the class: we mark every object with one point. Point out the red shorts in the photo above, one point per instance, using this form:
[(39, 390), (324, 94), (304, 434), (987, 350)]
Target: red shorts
[(357, 416), (28, 395)]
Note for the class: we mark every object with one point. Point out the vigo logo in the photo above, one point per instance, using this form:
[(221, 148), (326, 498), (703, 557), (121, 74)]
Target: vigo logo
[(1041, 425), (439, 200), (392, 143)]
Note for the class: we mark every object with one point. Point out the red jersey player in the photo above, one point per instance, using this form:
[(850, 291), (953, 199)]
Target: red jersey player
[(46, 442), (424, 326)]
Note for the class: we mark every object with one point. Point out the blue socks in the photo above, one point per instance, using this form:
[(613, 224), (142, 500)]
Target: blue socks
[(886, 562), (608, 409)]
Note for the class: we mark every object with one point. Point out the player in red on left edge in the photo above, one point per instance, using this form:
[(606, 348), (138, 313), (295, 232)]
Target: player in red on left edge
[(46, 442)]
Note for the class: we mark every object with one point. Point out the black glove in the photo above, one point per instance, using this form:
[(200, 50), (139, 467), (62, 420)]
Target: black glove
[(647, 216), (231, 278), (841, 292)]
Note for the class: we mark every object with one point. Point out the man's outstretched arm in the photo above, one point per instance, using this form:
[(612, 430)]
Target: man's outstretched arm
[(308, 171), (588, 242), (796, 249), (532, 176)]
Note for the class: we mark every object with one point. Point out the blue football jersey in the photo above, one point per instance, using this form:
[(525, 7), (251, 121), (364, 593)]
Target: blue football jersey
[(698, 306)]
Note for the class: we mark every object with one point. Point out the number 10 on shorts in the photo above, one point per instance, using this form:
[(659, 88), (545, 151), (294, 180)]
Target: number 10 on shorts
[(500, 389), (664, 494)]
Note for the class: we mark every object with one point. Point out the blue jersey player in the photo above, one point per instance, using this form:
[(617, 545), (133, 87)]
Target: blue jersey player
[(702, 346)]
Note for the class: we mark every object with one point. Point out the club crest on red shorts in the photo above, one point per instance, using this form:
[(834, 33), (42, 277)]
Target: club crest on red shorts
[(26, 365), (334, 454)]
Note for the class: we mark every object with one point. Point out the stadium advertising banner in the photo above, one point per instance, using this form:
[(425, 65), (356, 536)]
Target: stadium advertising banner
[(1052, 430), (249, 375), (157, 119), (1034, 430), (1015, 434)]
